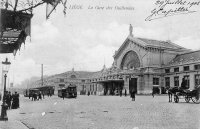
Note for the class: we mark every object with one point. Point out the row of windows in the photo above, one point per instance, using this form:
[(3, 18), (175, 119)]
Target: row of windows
[(187, 80), (197, 79), (93, 88), (197, 67), (63, 80), (185, 68)]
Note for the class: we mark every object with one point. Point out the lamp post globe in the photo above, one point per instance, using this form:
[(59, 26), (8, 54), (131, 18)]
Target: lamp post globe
[(4, 107)]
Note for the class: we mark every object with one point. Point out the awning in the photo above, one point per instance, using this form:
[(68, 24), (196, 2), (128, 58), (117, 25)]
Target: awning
[(15, 27)]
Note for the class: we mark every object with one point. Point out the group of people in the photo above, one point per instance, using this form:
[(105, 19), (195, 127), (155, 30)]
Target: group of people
[(36, 96), (12, 100), (114, 92), (132, 93)]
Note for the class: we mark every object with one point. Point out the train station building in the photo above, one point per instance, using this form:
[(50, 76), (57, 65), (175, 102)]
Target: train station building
[(140, 64), (146, 65)]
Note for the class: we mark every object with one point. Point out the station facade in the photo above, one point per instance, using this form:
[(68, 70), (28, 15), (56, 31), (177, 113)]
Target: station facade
[(146, 65), (140, 64)]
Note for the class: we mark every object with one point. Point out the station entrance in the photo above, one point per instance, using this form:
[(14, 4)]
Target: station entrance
[(133, 84), (113, 87)]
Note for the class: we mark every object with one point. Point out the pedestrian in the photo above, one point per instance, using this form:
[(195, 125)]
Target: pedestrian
[(152, 93), (32, 96), (50, 93), (88, 93), (35, 96), (120, 92), (29, 95), (13, 105), (183, 84), (6, 97), (125, 93), (9, 99), (40, 95), (133, 95), (63, 95), (15, 101), (43, 94)]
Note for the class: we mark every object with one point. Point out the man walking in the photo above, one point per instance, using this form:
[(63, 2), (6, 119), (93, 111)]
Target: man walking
[(120, 92), (133, 95), (63, 95), (88, 93), (152, 93)]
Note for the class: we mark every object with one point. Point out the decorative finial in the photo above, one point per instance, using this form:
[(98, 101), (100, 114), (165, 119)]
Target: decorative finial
[(131, 30)]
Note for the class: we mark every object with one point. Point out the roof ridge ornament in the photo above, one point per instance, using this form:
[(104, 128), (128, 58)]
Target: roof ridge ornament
[(131, 30), (168, 41)]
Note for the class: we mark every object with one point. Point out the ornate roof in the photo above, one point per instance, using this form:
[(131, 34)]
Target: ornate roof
[(159, 43), (80, 74), (186, 57), (146, 43)]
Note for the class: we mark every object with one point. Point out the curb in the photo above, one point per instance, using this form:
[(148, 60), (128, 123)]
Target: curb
[(12, 124)]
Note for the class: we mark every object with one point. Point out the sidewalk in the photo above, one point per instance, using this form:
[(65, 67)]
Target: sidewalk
[(12, 124)]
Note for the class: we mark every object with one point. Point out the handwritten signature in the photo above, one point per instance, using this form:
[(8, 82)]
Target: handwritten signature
[(164, 8)]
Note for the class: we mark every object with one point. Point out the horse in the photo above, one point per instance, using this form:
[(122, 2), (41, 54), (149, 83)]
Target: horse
[(182, 91), (171, 91)]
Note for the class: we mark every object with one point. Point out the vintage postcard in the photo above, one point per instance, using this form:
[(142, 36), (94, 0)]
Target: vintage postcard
[(99, 64)]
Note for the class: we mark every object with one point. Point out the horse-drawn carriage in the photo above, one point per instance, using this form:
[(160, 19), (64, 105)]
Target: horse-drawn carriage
[(186, 94)]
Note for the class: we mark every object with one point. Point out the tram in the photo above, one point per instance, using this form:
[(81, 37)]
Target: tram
[(46, 90), (69, 91)]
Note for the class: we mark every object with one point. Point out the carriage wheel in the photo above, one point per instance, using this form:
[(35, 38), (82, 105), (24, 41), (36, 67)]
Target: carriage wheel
[(176, 99), (187, 99), (196, 100)]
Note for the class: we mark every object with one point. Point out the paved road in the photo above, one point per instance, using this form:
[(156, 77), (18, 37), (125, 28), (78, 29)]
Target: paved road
[(107, 112)]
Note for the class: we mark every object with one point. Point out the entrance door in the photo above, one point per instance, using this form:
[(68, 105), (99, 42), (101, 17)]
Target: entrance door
[(133, 84)]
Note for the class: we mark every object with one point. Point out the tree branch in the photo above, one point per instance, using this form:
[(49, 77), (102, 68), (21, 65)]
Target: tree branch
[(32, 7), (16, 2)]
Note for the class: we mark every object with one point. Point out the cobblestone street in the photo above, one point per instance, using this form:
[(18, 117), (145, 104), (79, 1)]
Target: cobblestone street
[(107, 112)]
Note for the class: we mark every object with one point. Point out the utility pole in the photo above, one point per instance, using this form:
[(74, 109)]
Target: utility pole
[(42, 73)]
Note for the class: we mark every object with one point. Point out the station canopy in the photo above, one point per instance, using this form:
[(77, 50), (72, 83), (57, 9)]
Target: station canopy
[(15, 21), (15, 27)]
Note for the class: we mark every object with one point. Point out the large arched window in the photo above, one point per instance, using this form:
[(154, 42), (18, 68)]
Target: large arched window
[(130, 61), (73, 76)]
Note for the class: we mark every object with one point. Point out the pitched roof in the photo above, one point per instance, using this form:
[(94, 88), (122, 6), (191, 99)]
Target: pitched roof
[(186, 57), (144, 42), (80, 74), (159, 43)]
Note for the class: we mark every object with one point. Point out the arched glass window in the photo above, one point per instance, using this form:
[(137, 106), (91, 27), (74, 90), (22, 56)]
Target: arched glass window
[(73, 76), (130, 61)]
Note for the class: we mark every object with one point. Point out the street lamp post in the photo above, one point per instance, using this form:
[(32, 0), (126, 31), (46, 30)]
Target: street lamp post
[(4, 106)]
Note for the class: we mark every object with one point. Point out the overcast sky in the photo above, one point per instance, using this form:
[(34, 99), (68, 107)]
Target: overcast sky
[(87, 38)]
